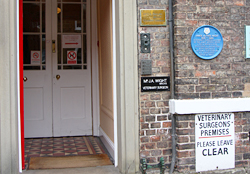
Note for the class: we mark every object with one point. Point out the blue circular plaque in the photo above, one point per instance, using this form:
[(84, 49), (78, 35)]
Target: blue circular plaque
[(207, 42)]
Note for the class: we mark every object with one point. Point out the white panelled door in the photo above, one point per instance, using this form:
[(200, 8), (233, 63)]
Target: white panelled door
[(57, 74)]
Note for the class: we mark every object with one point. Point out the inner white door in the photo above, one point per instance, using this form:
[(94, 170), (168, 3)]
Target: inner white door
[(57, 95)]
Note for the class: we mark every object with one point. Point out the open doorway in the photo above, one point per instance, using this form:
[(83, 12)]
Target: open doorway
[(59, 84), (57, 68)]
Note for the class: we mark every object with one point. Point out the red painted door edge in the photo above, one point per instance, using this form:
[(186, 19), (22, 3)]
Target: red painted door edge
[(21, 78)]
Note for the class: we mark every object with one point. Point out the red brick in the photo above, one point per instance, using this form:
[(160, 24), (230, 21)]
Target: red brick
[(183, 139), (164, 43), (151, 160), (144, 139), (150, 118), (239, 2), (162, 131), (165, 110), (144, 111), (183, 154), (241, 163), (155, 138), (166, 137), (180, 16), (144, 97), (186, 161), (144, 153), (191, 22), (182, 124), (238, 142), (150, 132), (162, 118), (180, 1), (162, 144), (144, 126), (142, 104), (142, 147), (186, 146), (167, 151), (161, 63), (191, 124), (162, 103), (238, 128), (155, 111), (141, 132), (166, 124), (155, 125), (185, 131), (165, 70), (150, 104), (150, 146), (141, 119), (155, 97), (156, 152)]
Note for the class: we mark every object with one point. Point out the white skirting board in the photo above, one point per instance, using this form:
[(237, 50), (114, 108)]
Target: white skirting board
[(107, 143), (199, 106)]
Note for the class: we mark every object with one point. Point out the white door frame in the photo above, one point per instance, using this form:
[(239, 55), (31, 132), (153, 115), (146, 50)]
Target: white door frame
[(114, 86), (95, 76)]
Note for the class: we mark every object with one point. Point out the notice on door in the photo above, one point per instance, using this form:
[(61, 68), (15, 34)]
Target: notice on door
[(35, 57), (214, 141), (71, 41), (71, 57)]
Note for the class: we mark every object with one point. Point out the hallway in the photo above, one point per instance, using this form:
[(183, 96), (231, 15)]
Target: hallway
[(63, 146)]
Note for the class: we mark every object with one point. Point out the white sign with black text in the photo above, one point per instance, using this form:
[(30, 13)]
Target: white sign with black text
[(71, 41), (214, 141)]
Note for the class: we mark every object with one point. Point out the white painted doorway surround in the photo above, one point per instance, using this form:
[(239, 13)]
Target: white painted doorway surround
[(57, 91)]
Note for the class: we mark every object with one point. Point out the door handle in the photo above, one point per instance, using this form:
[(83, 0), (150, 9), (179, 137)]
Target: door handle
[(25, 79), (53, 46), (58, 76)]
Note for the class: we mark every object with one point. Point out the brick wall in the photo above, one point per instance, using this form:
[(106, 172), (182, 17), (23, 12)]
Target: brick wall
[(226, 76), (155, 123)]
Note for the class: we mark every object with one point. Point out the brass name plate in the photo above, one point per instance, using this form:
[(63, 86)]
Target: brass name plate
[(151, 17)]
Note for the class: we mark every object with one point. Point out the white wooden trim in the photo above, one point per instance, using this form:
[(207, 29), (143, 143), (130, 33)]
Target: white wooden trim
[(209, 105), (107, 142), (18, 92), (95, 76), (114, 85)]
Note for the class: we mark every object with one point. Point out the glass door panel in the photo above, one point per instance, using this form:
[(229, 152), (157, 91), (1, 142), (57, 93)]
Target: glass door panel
[(71, 35), (34, 35), (71, 18)]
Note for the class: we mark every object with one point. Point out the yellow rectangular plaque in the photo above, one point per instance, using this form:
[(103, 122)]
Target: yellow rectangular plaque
[(154, 17)]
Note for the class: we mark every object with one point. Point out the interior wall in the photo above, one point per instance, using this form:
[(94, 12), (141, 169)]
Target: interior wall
[(105, 67)]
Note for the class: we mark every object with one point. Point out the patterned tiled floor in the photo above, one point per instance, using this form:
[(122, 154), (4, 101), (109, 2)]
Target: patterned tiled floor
[(63, 146)]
